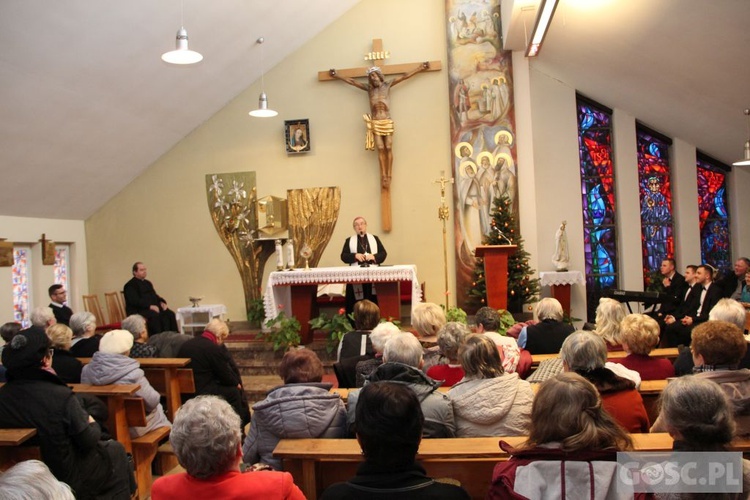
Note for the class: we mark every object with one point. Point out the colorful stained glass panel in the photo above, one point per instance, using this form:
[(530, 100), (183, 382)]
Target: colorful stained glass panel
[(20, 276), (713, 207), (657, 238), (598, 200), (61, 266)]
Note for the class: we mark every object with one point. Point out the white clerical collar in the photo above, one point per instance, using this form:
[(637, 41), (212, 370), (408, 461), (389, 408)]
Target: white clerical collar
[(57, 305)]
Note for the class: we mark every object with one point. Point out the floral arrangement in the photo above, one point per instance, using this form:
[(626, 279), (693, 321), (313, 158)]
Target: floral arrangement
[(337, 326), (455, 314)]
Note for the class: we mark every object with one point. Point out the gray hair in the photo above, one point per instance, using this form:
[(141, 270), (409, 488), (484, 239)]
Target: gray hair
[(699, 410), (380, 335), (32, 479), (584, 351), (729, 310), (135, 324), (489, 318), (82, 323), (427, 318), (205, 436), (41, 316), (451, 337), (403, 348), (549, 308)]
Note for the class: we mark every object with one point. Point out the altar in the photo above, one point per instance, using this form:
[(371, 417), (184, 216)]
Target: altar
[(295, 291)]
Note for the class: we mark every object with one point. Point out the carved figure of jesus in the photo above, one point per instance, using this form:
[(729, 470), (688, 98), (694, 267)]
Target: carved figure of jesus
[(379, 122)]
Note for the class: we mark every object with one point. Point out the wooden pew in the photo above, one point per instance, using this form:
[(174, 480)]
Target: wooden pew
[(115, 396), (315, 464), (11, 451), (144, 447), (169, 377), (665, 352)]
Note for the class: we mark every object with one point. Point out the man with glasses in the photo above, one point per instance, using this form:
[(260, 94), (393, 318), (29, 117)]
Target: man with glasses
[(59, 296)]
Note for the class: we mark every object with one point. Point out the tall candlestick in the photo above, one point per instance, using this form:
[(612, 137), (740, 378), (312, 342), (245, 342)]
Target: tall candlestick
[(290, 254), (279, 256)]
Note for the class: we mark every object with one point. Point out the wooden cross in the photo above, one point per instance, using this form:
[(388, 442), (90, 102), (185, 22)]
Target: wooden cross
[(376, 58)]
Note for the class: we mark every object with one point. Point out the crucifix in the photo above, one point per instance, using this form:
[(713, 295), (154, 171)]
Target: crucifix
[(443, 215), (379, 123)]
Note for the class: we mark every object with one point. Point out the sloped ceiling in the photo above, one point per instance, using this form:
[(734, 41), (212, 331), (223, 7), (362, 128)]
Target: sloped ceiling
[(86, 104)]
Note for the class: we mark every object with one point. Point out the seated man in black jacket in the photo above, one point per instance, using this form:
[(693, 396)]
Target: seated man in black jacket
[(694, 310), (69, 438), (141, 298)]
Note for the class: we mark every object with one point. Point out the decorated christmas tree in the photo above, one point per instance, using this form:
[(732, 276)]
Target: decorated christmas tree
[(523, 287)]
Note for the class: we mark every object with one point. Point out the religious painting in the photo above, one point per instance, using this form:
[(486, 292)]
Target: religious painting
[(297, 136), (6, 254), (482, 127)]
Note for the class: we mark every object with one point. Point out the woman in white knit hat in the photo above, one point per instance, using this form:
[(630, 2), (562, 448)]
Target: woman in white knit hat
[(111, 365)]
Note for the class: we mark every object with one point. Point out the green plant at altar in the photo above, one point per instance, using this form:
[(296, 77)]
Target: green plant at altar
[(455, 314), (336, 327), (232, 204), (256, 313), (523, 287), (282, 330)]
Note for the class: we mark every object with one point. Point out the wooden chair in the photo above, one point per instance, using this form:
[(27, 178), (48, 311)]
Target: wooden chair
[(92, 305), (115, 307)]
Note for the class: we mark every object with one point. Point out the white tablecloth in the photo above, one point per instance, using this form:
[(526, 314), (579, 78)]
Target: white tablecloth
[(278, 295), (214, 311), (561, 278)]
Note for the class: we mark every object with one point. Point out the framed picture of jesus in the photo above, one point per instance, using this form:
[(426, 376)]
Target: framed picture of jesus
[(297, 136)]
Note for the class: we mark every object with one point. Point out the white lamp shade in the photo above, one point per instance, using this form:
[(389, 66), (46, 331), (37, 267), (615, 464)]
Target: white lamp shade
[(263, 110), (182, 54), (746, 161)]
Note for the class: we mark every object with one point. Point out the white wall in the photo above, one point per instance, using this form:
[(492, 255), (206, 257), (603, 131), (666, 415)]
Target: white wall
[(28, 231)]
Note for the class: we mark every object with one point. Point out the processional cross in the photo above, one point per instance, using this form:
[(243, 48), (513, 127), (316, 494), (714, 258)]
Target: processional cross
[(379, 123)]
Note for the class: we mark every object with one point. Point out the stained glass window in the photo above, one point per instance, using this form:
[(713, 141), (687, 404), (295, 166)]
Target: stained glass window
[(598, 195), (20, 273), (657, 237), (713, 205), (61, 267)]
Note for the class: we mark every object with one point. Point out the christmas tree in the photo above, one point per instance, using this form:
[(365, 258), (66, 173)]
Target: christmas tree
[(523, 287)]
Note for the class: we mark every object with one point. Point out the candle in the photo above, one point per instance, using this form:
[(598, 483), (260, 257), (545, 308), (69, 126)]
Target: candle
[(290, 254), (279, 256)]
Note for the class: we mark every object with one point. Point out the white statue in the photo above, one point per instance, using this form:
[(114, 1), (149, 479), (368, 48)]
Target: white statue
[(561, 257)]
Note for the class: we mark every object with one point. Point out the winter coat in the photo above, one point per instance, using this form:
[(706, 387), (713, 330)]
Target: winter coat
[(34, 398), (293, 411), (619, 398), (499, 406), (546, 472), (215, 373), (736, 385), (106, 369), (436, 407)]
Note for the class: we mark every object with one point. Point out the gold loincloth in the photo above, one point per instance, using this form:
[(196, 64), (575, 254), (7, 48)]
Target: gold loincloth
[(376, 127)]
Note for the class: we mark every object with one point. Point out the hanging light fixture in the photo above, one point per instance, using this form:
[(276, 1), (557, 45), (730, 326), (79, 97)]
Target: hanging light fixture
[(182, 54), (543, 18), (263, 110), (745, 162)]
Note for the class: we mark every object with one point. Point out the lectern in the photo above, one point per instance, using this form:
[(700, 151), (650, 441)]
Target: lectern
[(496, 273)]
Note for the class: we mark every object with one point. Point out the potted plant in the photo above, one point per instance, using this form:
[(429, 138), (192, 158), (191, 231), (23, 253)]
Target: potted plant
[(336, 326), (282, 330)]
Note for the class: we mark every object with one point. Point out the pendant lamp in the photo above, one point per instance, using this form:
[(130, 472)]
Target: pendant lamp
[(182, 54), (745, 162), (263, 110)]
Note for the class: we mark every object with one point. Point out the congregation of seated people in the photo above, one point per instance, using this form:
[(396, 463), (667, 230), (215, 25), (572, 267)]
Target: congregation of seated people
[(443, 379)]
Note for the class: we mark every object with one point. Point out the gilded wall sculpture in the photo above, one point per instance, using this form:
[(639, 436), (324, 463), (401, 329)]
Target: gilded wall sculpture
[(313, 213)]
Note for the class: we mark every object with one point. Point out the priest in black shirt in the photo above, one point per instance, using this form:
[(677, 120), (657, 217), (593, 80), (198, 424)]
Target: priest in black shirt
[(362, 250), (141, 298)]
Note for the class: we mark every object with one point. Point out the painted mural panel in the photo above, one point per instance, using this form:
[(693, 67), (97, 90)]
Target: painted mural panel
[(482, 127)]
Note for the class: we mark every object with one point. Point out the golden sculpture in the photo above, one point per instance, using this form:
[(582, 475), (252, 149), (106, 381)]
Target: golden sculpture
[(313, 213), (232, 204)]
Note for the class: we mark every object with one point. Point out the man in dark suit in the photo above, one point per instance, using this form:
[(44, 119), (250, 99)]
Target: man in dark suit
[(675, 288), (694, 310), (141, 298), (58, 295)]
